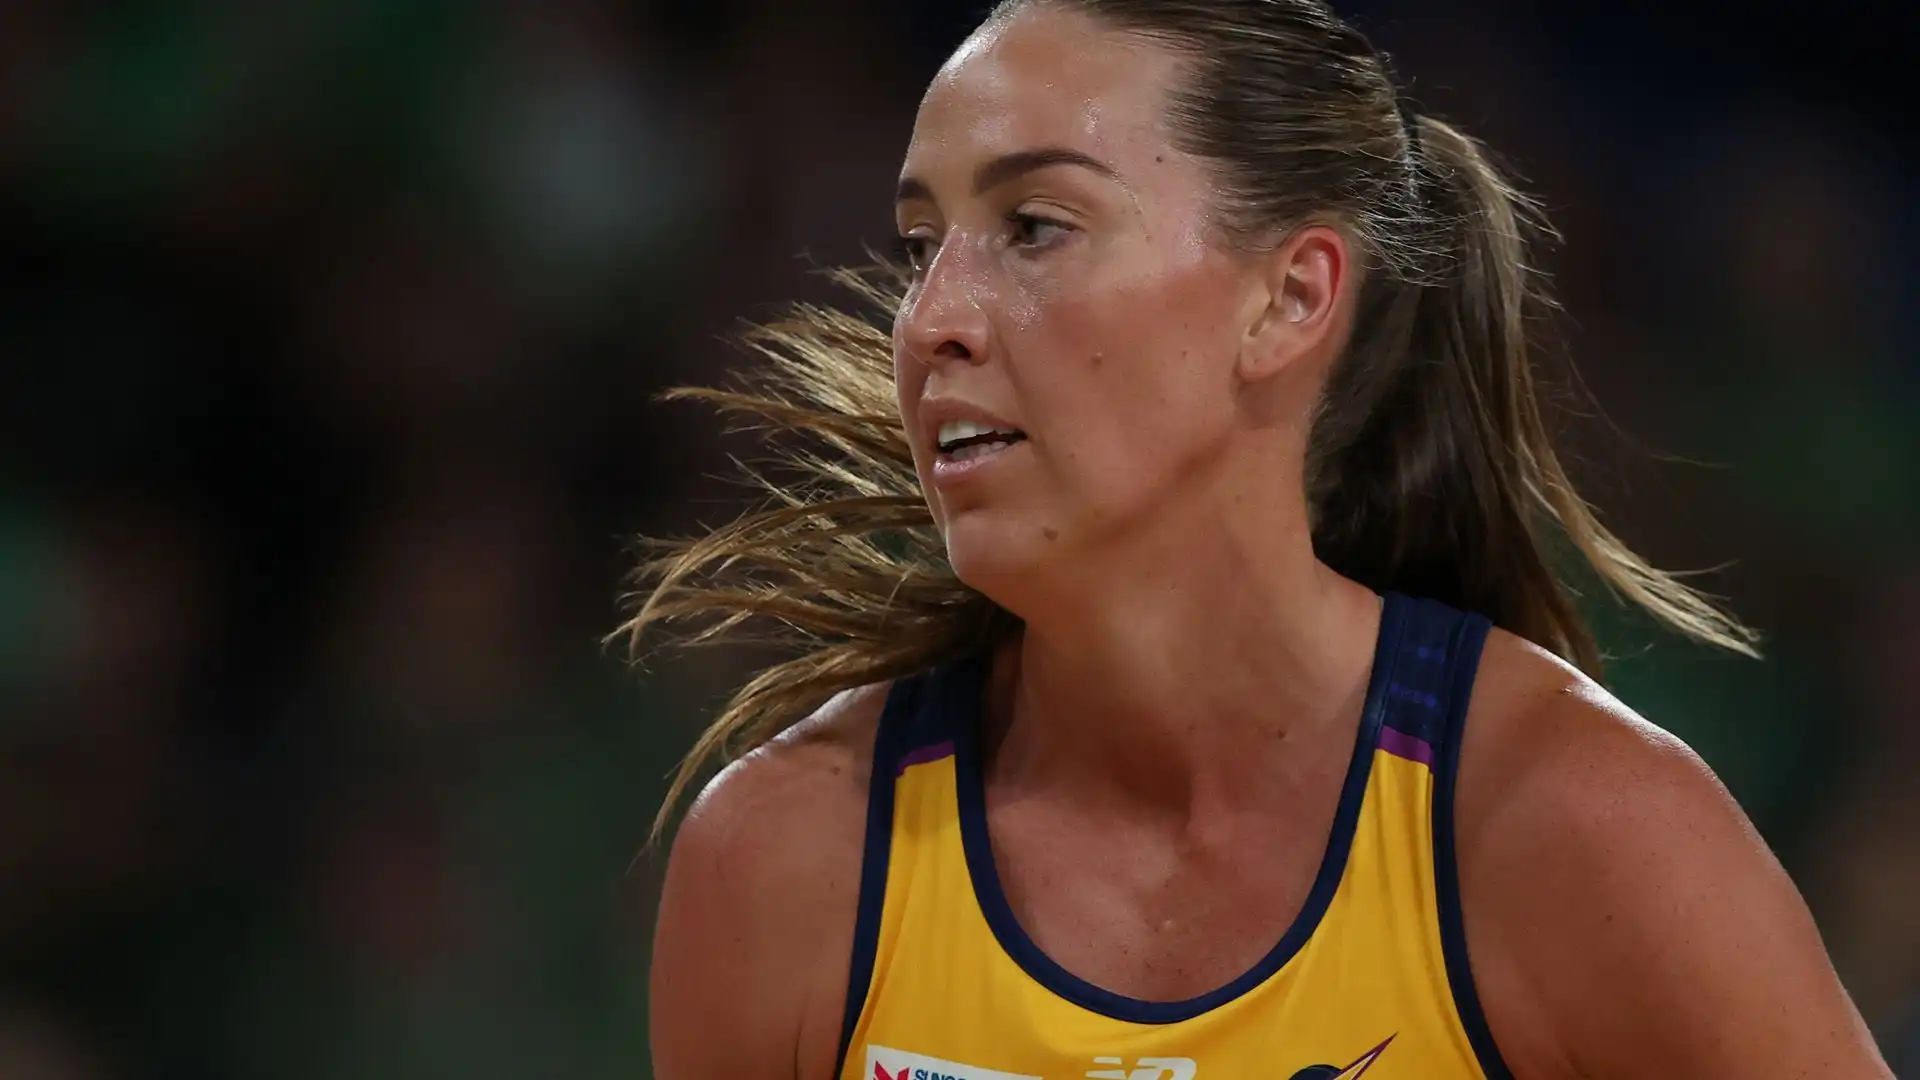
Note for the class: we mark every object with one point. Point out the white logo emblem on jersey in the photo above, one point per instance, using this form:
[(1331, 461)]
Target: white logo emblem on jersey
[(1154, 1068), (886, 1063)]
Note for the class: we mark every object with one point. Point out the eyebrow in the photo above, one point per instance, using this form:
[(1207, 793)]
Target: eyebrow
[(1012, 166)]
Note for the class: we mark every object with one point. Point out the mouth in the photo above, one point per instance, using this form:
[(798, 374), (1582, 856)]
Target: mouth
[(964, 440)]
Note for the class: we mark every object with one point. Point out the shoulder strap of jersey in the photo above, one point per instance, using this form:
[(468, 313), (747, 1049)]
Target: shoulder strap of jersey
[(1430, 678), (916, 725), (1432, 692)]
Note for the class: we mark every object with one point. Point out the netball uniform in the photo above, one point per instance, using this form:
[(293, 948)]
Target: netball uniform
[(1370, 979)]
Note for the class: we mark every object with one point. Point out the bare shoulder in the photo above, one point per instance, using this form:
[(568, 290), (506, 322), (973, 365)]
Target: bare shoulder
[(1547, 747), (1617, 902), (805, 782), (757, 914)]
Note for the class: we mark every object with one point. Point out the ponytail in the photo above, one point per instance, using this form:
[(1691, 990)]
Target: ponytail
[(1432, 471)]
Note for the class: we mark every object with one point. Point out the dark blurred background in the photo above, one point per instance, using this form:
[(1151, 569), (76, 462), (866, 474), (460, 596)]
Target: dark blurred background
[(328, 337)]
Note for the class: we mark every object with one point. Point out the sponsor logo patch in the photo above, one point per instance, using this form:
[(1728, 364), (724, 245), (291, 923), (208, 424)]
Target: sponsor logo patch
[(886, 1063)]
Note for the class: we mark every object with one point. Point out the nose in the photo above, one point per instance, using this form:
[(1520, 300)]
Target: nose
[(943, 319)]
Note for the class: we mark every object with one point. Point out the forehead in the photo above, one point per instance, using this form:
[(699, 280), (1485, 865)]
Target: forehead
[(1047, 77)]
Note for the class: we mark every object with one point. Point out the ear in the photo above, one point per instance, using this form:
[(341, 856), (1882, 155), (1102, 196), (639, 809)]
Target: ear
[(1295, 315)]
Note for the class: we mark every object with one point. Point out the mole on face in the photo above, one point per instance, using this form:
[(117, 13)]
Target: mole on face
[(1050, 533)]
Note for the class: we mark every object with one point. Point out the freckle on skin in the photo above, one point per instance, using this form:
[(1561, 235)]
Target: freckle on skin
[(1050, 533)]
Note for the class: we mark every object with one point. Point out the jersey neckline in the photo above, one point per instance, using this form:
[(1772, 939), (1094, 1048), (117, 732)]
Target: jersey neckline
[(1012, 937)]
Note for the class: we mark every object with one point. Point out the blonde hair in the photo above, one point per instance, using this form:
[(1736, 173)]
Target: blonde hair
[(1431, 470)]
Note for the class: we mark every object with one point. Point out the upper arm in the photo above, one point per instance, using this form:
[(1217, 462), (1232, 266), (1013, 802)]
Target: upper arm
[(756, 915), (1623, 917)]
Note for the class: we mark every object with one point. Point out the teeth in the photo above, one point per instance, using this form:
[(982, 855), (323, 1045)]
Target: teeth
[(982, 449), (954, 430)]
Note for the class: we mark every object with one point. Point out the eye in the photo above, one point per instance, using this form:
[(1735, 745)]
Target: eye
[(915, 251), (1033, 231)]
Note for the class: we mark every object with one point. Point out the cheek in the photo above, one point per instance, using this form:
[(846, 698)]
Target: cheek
[(906, 388), (909, 380), (1136, 383), (1132, 433)]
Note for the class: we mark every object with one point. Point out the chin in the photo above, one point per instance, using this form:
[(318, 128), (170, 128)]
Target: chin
[(1000, 555)]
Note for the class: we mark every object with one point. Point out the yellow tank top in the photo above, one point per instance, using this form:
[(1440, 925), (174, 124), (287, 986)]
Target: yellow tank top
[(1371, 978)]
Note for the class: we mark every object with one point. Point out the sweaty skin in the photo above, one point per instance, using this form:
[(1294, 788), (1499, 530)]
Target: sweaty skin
[(1169, 728)]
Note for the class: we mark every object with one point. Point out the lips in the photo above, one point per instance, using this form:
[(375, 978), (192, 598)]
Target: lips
[(965, 441)]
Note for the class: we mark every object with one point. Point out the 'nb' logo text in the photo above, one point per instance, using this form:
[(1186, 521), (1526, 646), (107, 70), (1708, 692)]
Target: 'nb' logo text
[(1150, 1068)]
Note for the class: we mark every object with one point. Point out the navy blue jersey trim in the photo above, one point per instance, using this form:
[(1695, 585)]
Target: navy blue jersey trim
[(1469, 636), (1043, 970), (1417, 697), (893, 741)]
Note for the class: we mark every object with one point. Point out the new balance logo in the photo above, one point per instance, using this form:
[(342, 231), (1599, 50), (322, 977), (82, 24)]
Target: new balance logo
[(1148, 1068)]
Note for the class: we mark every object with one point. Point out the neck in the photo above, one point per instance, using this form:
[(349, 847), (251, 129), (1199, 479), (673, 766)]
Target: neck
[(1178, 667)]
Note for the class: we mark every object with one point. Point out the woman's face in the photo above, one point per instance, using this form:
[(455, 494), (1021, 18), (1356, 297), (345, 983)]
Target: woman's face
[(1071, 291)]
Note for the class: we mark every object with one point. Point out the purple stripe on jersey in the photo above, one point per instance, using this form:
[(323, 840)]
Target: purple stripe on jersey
[(1400, 744), (925, 754)]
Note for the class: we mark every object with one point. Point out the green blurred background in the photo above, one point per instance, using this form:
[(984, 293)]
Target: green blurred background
[(327, 349)]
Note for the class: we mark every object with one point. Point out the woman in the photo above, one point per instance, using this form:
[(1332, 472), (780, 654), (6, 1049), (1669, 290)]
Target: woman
[(1139, 764)]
